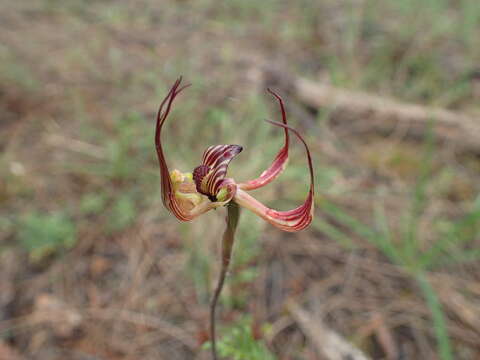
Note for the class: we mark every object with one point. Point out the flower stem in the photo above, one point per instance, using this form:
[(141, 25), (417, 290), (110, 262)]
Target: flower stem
[(233, 214)]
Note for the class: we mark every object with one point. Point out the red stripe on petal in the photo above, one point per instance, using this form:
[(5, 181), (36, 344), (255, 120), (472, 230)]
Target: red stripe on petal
[(198, 174), (291, 220), (278, 163), (168, 196), (216, 158)]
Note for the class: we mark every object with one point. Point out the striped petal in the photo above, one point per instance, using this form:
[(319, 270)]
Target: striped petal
[(291, 220), (179, 193), (280, 161), (210, 176)]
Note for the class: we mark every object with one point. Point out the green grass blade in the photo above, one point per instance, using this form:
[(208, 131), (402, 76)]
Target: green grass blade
[(420, 201), (385, 239), (333, 233), (462, 232), (439, 324)]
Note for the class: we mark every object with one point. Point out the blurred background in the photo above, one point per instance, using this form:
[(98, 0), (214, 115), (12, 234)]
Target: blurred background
[(92, 266)]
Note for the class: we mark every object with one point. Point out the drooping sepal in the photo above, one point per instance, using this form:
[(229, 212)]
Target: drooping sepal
[(280, 161), (291, 220)]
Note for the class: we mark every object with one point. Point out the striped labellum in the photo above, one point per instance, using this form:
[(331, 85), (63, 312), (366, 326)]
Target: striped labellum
[(210, 176)]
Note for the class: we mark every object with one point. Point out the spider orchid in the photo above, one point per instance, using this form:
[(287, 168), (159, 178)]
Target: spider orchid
[(189, 195)]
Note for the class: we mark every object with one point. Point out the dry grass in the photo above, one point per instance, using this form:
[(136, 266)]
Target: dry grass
[(79, 87)]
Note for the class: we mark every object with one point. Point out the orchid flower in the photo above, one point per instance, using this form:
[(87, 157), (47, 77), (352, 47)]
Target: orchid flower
[(191, 194)]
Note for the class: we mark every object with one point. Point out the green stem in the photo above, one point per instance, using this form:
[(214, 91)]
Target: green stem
[(233, 214)]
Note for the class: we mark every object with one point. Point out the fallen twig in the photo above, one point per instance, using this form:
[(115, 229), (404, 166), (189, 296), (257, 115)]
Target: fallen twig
[(327, 342), (367, 112)]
